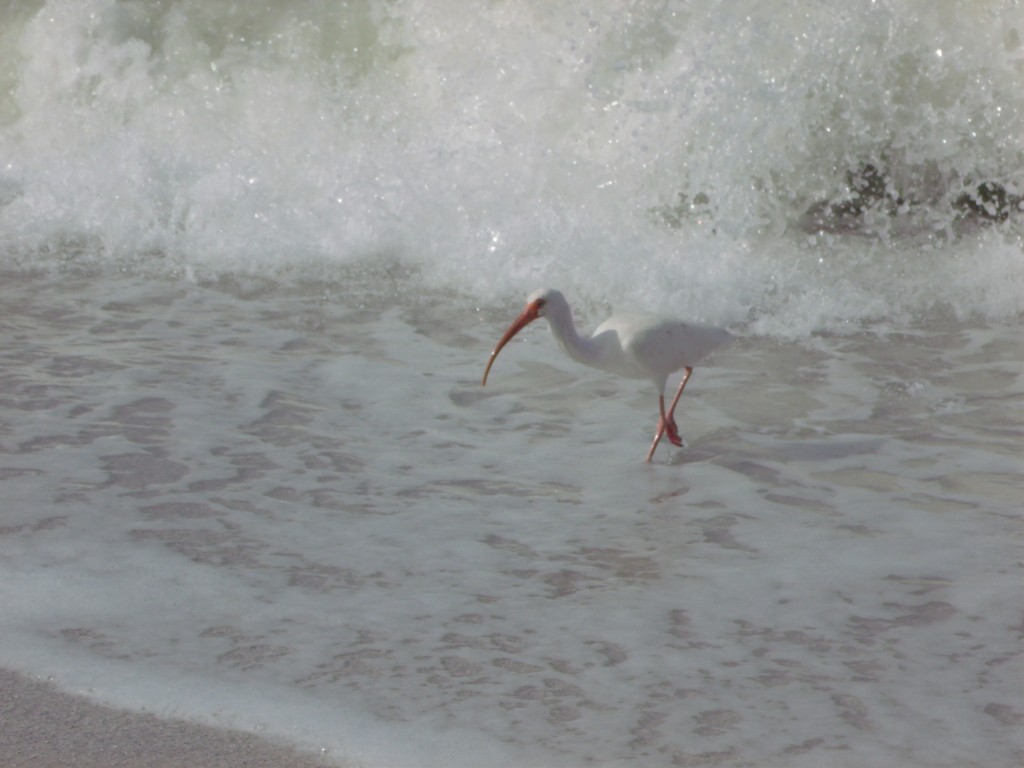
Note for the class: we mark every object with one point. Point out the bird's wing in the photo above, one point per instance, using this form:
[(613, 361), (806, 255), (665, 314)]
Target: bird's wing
[(666, 344)]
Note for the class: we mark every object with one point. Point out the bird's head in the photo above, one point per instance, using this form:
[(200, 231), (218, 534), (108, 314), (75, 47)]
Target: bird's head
[(538, 304), (545, 299)]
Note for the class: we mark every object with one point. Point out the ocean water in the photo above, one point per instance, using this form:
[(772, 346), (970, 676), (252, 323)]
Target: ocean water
[(254, 261)]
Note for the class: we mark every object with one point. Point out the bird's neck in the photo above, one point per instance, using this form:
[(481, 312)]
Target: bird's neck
[(579, 348)]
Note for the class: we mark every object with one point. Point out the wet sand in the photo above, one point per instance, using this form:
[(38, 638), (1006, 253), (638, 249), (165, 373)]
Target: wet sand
[(40, 727)]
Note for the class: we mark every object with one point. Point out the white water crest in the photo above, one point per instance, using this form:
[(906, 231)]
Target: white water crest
[(662, 153)]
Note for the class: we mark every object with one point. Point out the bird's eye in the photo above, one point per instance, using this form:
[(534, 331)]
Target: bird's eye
[(541, 303)]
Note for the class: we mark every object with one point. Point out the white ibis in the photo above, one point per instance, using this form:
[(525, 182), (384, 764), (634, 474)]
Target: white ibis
[(635, 344)]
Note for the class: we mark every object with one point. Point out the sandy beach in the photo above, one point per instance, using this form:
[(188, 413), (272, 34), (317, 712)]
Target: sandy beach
[(41, 727)]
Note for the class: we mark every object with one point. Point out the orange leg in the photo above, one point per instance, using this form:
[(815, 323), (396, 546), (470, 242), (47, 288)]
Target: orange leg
[(667, 421)]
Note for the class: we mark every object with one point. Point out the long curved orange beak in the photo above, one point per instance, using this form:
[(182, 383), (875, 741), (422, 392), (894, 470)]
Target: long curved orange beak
[(531, 313)]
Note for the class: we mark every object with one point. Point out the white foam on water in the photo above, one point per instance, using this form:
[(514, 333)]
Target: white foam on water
[(647, 155), (305, 517)]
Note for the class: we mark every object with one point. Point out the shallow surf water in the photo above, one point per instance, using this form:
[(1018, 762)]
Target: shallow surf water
[(254, 260), (301, 513)]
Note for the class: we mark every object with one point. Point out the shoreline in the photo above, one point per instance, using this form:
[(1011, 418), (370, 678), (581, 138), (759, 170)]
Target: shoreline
[(43, 727)]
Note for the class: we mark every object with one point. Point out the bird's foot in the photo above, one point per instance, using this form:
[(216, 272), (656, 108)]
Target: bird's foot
[(672, 433)]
